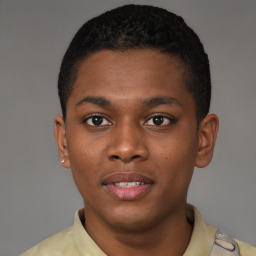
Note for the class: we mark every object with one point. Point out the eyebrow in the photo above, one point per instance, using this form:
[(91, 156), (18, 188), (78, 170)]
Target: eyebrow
[(150, 102), (161, 100), (99, 101)]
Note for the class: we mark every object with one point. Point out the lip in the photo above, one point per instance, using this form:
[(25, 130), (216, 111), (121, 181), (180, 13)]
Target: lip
[(127, 193)]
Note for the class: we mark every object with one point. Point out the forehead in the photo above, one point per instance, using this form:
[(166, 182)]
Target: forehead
[(129, 75), (112, 65)]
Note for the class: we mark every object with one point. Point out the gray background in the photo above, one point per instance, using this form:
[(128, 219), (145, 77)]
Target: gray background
[(38, 197)]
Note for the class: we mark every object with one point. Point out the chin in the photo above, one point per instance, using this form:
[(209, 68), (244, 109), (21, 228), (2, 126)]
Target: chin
[(131, 220)]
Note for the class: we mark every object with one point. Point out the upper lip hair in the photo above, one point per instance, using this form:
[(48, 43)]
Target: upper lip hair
[(126, 177)]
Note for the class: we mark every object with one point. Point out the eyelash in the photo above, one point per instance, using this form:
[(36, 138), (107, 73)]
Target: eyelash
[(99, 116), (171, 120)]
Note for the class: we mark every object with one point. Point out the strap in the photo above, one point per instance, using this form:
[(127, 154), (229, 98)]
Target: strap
[(224, 245)]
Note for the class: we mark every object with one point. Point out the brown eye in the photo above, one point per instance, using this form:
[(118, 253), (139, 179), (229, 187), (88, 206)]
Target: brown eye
[(97, 120), (159, 120)]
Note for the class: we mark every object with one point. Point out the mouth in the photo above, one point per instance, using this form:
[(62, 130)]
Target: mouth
[(132, 184), (127, 186)]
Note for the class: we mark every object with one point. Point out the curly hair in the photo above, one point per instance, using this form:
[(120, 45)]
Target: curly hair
[(140, 27)]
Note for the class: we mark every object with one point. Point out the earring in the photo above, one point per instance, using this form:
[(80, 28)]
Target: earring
[(62, 161)]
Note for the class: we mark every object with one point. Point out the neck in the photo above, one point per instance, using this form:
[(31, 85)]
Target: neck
[(170, 236)]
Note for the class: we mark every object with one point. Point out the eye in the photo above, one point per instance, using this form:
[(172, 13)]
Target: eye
[(97, 120), (159, 120)]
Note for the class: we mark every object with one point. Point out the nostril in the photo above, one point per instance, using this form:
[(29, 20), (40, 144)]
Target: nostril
[(116, 157)]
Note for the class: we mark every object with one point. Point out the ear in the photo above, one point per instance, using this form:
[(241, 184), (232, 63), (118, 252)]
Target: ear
[(60, 137), (207, 134)]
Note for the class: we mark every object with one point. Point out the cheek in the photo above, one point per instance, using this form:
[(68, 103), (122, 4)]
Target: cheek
[(85, 150), (175, 151), (175, 159), (85, 160)]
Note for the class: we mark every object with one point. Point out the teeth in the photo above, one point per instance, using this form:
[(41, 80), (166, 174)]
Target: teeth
[(129, 184)]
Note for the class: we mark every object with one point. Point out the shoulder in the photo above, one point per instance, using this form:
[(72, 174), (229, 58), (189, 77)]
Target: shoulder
[(59, 244), (246, 249), (204, 235)]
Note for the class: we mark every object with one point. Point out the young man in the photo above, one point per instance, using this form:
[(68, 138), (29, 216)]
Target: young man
[(134, 87)]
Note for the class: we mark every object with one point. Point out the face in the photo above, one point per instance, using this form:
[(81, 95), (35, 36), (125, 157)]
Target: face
[(131, 138)]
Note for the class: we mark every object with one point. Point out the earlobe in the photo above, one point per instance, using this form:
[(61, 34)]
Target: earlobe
[(207, 134), (60, 137)]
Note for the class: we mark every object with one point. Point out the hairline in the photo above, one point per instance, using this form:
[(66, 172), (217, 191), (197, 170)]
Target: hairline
[(187, 74)]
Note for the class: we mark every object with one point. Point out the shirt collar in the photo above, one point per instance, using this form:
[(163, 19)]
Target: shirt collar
[(83, 241), (200, 243), (203, 234)]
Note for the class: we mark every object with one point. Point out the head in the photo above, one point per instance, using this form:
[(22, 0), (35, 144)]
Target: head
[(135, 90), (140, 27)]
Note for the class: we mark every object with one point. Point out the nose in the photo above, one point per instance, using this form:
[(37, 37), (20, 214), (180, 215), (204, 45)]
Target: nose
[(127, 145)]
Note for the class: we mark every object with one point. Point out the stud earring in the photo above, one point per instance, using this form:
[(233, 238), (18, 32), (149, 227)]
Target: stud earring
[(62, 161)]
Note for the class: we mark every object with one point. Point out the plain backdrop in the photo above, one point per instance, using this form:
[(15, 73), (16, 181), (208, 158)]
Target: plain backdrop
[(37, 196)]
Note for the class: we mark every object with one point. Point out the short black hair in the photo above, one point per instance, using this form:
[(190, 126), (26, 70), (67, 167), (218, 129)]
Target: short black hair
[(140, 27)]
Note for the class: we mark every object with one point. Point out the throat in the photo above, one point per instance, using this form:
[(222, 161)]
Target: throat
[(149, 243), (162, 240)]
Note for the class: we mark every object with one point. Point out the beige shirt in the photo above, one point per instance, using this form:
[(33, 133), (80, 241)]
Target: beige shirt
[(75, 240)]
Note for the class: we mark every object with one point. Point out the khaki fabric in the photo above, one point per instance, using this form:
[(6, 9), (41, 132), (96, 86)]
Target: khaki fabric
[(75, 240)]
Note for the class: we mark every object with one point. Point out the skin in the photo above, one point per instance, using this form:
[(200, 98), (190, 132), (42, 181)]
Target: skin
[(129, 140)]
